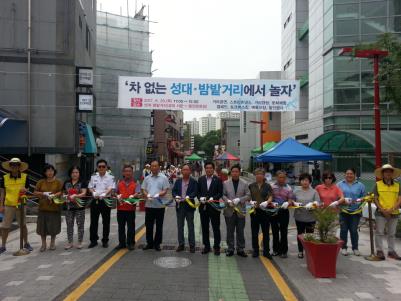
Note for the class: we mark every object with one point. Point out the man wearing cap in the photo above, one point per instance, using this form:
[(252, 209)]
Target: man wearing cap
[(388, 200), (13, 185)]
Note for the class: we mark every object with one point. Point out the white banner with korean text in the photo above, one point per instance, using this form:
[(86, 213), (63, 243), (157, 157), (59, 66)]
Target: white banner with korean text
[(152, 93)]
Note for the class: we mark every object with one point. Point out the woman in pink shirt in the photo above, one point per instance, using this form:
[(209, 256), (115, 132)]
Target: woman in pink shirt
[(329, 193)]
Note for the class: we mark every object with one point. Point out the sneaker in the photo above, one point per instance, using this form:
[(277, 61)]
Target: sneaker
[(300, 255), (2, 250), (393, 255), (357, 253), (68, 246), (380, 255), (28, 247), (344, 252)]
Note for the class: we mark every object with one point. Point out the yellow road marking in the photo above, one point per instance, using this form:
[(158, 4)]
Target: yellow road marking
[(96, 275), (281, 284)]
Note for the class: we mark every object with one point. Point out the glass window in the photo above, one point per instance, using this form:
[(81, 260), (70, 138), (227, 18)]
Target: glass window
[(346, 27), (373, 25), (347, 96), (347, 39), (374, 9), (345, 1), (395, 7), (394, 24), (346, 11), (328, 99), (344, 63), (346, 79), (328, 34)]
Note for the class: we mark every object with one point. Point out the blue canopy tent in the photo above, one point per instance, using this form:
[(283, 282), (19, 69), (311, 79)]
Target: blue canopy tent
[(290, 150)]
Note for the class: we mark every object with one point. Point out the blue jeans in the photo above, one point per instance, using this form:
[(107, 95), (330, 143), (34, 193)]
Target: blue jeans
[(349, 222)]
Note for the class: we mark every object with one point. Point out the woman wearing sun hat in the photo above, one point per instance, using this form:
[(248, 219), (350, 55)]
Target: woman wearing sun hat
[(388, 200), (13, 185)]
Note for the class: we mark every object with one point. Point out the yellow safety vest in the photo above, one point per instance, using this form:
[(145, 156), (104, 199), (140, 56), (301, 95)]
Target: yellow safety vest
[(12, 187), (388, 195)]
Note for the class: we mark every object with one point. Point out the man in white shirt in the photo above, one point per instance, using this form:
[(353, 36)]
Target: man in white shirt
[(154, 187), (100, 185)]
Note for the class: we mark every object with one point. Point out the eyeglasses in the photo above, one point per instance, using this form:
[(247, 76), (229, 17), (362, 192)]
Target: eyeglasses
[(101, 166)]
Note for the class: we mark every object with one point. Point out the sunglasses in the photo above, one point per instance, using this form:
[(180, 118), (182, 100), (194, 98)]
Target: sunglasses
[(101, 166)]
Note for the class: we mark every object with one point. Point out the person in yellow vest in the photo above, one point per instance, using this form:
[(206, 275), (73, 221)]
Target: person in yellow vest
[(14, 184), (388, 200)]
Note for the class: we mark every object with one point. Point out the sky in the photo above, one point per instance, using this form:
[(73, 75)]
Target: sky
[(216, 39)]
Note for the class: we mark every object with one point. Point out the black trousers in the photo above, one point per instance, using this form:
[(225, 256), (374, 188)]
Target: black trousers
[(126, 218), (304, 227), (260, 220), (210, 215), (98, 207), (279, 224), (152, 216)]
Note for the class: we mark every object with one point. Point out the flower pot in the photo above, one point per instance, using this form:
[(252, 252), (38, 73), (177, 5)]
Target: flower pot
[(321, 258)]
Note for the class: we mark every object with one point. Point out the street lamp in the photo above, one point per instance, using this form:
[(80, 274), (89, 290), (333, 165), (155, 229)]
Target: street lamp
[(374, 54)]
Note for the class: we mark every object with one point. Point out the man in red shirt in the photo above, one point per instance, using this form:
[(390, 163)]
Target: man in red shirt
[(126, 188)]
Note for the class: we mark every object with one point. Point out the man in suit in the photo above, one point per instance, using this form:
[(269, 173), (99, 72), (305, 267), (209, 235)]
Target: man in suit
[(210, 188), (185, 188), (235, 195)]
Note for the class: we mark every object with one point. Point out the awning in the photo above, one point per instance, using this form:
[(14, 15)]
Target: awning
[(357, 141), (193, 157), (13, 133), (226, 156), (290, 150), (266, 147), (90, 141)]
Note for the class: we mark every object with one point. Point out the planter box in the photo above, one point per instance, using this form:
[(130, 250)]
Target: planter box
[(321, 258)]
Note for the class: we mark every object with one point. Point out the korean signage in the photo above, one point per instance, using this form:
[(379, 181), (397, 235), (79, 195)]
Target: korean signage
[(84, 76), (84, 102), (206, 94)]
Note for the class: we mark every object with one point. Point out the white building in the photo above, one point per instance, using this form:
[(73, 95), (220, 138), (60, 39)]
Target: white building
[(194, 126), (207, 124)]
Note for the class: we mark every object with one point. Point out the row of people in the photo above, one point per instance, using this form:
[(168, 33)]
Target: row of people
[(210, 191)]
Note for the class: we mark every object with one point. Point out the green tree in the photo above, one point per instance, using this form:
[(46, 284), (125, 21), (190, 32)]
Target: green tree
[(390, 67), (206, 143)]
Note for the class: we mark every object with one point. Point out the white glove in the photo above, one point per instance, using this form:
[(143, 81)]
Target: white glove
[(202, 200), (347, 201), (131, 196), (263, 204), (236, 201), (47, 194), (119, 196), (358, 200), (334, 204), (102, 195), (284, 205), (230, 203), (156, 196), (178, 199), (211, 199), (309, 206), (252, 203), (50, 196), (297, 204)]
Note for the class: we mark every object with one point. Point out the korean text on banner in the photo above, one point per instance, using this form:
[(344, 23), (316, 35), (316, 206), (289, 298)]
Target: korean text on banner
[(206, 94)]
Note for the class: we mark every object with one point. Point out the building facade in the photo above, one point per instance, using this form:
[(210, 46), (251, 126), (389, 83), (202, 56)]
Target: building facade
[(193, 126), (207, 124), (122, 50), (336, 91), (230, 135), (38, 81)]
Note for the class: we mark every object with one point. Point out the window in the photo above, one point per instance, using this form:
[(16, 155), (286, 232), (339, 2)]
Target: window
[(287, 20), (87, 43), (287, 64), (244, 124), (270, 116)]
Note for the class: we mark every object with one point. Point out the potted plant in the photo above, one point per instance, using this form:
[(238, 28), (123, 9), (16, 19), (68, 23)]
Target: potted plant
[(322, 247)]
